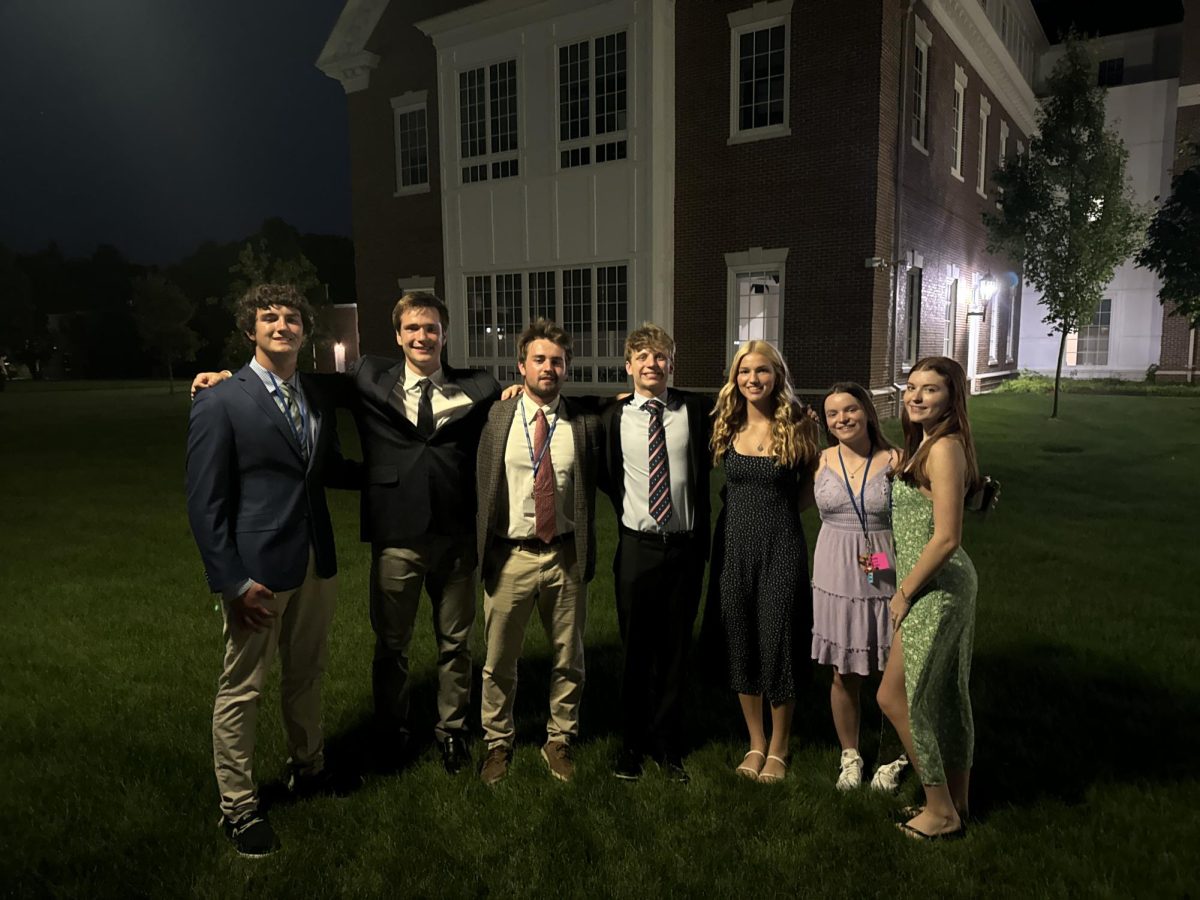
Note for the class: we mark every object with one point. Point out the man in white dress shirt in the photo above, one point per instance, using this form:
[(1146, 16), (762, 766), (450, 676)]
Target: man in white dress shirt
[(538, 462)]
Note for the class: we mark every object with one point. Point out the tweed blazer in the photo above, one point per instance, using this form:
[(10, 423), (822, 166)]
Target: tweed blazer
[(490, 478)]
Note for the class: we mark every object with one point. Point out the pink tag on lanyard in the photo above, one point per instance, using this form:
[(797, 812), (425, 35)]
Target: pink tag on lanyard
[(880, 561)]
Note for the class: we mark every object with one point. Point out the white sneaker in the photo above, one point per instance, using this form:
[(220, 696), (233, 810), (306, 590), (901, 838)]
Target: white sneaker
[(887, 777), (851, 775)]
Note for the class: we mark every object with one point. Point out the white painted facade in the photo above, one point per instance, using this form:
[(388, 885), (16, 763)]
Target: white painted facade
[(1144, 117), (612, 218)]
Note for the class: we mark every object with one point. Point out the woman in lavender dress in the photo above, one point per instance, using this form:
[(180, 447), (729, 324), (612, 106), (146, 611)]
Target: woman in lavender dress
[(853, 567)]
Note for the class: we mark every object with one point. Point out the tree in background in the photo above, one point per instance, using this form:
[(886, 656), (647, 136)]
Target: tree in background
[(1068, 210), (1172, 250), (22, 330), (161, 313)]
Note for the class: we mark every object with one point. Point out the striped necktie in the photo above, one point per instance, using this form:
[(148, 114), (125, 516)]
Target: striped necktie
[(292, 408), (660, 466)]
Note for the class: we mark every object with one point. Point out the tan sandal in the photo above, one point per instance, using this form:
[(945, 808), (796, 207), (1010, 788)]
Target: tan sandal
[(751, 772), (771, 778)]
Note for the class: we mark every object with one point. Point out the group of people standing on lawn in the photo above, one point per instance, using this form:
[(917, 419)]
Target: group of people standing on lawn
[(460, 479)]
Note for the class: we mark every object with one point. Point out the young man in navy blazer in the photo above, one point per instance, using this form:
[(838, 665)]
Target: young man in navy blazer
[(260, 449)]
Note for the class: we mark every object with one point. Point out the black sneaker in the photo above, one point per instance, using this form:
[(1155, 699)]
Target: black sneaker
[(303, 785), (628, 766), (251, 835), (671, 765)]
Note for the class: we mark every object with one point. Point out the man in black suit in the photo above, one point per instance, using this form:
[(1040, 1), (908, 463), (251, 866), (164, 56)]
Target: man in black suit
[(657, 475), (259, 451), (419, 423)]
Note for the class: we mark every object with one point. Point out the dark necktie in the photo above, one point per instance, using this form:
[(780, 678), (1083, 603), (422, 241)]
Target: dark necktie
[(545, 522), (293, 411), (425, 422), (660, 466)]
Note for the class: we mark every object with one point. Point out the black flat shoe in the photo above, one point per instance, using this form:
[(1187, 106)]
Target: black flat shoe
[(918, 835), (455, 755)]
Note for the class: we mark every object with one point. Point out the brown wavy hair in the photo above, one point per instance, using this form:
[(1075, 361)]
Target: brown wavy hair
[(879, 440), (793, 433), (264, 296), (954, 423)]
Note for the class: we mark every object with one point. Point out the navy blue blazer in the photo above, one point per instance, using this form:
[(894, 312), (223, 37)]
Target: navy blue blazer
[(254, 505)]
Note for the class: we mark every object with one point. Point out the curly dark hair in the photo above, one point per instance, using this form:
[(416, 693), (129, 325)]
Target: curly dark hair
[(264, 296)]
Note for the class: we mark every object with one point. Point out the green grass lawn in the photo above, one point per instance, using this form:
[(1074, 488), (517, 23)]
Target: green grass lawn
[(1086, 689)]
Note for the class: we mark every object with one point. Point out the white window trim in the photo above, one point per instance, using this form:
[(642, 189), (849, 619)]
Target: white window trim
[(1012, 317), (985, 112), (960, 91), (923, 38), (757, 17), (407, 103), (416, 283), (994, 331), (754, 258)]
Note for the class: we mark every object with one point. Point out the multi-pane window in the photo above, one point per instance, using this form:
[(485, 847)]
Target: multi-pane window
[(582, 138), (1112, 72), (412, 143), (912, 317), (994, 330), (758, 299), (985, 110), (762, 70), (487, 122), (956, 123), (591, 304), (920, 90), (1089, 345)]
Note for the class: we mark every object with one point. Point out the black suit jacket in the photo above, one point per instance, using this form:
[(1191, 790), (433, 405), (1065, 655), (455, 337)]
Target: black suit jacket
[(414, 485), (699, 457), (254, 505)]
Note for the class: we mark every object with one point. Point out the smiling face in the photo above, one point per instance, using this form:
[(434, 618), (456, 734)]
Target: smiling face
[(846, 419), (278, 333), (421, 337), (650, 369), (926, 398), (755, 377), (544, 369)]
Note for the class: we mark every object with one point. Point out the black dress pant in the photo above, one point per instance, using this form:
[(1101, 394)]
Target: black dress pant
[(658, 594)]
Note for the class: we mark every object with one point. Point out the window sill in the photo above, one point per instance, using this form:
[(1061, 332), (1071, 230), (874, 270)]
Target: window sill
[(759, 134), (411, 190), (957, 175), (981, 193), (917, 145)]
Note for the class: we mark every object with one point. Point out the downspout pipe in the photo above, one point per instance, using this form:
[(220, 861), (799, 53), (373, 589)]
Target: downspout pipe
[(898, 194)]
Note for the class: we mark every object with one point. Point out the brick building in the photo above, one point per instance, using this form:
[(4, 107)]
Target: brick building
[(809, 173)]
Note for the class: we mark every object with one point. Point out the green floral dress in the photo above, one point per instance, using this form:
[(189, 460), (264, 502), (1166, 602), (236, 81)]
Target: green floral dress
[(938, 636)]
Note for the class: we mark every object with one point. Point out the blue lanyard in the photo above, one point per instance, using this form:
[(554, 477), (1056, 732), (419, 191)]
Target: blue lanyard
[(301, 438), (860, 508), (536, 462)]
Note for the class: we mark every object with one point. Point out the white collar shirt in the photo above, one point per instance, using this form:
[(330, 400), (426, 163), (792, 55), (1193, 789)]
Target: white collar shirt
[(448, 399), (635, 451), (516, 508)]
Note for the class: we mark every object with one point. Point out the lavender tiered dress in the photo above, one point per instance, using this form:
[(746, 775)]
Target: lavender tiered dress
[(851, 628)]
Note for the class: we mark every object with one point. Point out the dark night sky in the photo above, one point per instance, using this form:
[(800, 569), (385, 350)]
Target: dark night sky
[(153, 125)]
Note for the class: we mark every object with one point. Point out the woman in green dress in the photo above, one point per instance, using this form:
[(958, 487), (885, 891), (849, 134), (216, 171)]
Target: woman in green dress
[(924, 691)]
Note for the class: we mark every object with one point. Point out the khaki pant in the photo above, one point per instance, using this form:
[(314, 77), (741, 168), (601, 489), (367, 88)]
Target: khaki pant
[(299, 630), (445, 566), (521, 581)]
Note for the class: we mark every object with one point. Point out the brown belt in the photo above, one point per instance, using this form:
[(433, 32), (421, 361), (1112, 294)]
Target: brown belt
[(535, 544)]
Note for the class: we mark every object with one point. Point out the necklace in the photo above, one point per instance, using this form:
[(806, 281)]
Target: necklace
[(759, 443)]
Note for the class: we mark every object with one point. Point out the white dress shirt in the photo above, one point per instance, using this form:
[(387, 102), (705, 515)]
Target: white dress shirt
[(635, 448), (516, 510), (449, 400)]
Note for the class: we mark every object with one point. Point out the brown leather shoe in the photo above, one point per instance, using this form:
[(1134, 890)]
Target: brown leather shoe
[(495, 764), (557, 755)]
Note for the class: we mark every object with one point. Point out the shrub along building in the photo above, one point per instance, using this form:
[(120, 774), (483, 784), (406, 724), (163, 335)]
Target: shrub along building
[(812, 174)]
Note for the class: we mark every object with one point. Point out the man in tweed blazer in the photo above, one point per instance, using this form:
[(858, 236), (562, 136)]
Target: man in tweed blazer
[(536, 472)]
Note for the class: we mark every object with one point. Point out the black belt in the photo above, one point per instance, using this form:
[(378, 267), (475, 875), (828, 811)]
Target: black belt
[(669, 538), (535, 544)]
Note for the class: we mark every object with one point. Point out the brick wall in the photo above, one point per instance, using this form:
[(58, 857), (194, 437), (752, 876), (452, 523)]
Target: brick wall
[(942, 217), (813, 192)]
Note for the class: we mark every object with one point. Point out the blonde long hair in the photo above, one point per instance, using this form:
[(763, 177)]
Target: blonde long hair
[(793, 433)]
